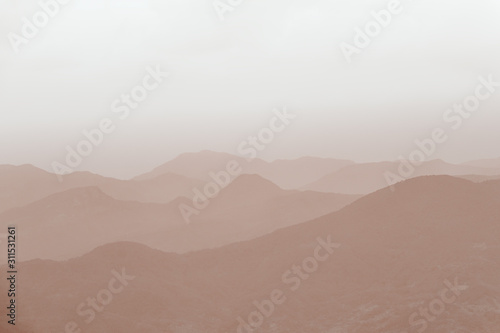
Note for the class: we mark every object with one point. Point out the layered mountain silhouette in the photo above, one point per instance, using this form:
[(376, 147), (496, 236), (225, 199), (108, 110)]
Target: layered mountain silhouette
[(21, 185), (249, 207), (395, 251), (288, 174), (70, 223), (369, 177)]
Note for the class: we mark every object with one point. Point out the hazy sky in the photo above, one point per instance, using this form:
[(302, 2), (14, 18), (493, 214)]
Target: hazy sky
[(227, 76)]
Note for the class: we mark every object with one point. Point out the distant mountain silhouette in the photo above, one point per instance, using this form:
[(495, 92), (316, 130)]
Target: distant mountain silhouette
[(293, 174), (21, 185), (249, 207), (195, 165), (70, 223), (289, 174), (369, 177)]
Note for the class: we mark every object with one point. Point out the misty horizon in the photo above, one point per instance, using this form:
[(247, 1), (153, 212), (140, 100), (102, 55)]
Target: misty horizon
[(150, 168)]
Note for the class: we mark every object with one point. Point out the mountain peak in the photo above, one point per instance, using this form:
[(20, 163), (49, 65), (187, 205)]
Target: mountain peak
[(80, 196), (254, 181)]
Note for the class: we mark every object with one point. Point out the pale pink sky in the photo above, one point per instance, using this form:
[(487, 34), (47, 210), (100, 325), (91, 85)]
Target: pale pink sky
[(227, 76)]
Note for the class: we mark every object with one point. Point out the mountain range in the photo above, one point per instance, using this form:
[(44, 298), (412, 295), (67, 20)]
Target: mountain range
[(394, 253)]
